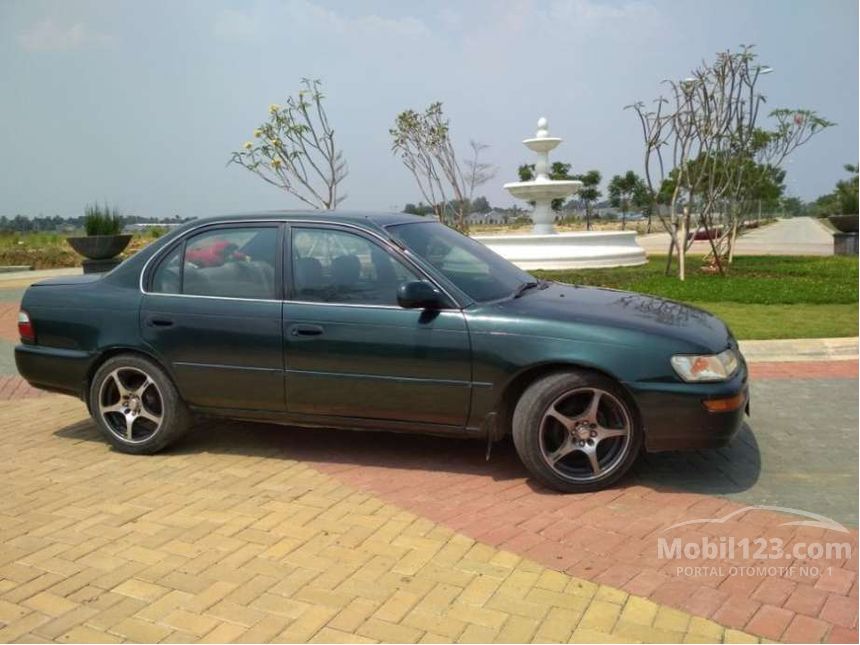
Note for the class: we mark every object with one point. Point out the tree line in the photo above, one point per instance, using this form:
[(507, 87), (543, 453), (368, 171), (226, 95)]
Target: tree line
[(49, 223)]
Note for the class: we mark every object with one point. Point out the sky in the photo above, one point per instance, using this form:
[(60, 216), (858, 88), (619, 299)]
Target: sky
[(139, 104)]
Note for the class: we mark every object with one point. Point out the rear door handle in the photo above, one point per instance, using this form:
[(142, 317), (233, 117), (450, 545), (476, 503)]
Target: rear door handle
[(159, 322), (306, 330)]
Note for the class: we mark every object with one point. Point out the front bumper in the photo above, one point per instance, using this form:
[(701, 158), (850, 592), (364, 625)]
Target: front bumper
[(674, 417), (54, 369)]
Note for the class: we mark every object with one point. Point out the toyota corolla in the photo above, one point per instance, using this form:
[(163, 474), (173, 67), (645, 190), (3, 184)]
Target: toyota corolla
[(381, 322)]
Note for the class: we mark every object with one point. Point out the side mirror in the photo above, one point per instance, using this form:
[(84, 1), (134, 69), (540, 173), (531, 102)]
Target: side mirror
[(419, 295)]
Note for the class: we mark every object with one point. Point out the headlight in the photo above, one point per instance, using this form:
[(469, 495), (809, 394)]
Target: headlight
[(697, 369)]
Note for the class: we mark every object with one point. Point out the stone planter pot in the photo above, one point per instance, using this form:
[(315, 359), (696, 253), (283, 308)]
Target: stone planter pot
[(844, 223), (99, 247)]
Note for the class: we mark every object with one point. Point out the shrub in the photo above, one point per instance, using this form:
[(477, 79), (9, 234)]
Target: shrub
[(846, 192), (100, 220)]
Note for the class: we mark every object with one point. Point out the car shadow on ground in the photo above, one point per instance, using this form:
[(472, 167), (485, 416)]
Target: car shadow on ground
[(732, 469)]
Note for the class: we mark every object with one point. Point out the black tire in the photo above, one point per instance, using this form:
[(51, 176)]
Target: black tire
[(530, 438), (147, 436)]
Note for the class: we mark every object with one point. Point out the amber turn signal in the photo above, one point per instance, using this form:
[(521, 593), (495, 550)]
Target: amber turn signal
[(725, 405)]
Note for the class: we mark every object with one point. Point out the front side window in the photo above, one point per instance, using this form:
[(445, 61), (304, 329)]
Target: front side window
[(339, 267), (227, 262), (471, 266)]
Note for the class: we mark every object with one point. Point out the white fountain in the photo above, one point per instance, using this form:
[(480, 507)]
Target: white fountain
[(542, 190), (544, 248)]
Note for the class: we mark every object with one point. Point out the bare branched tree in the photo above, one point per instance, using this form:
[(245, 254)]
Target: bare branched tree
[(423, 142), (477, 172), (727, 104), (704, 151), (668, 131), (295, 150), (794, 127)]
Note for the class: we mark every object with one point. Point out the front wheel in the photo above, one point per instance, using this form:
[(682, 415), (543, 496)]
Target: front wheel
[(136, 406), (576, 432)]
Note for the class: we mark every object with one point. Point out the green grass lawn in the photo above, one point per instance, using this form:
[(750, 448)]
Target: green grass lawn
[(762, 297), (764, 322)]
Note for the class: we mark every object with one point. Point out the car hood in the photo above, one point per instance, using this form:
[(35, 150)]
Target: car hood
[(610, 308)]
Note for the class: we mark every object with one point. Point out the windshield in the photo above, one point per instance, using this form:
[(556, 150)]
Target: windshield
[(471, 266)]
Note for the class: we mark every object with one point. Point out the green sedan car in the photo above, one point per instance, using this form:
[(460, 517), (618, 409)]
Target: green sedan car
[(381, 322)]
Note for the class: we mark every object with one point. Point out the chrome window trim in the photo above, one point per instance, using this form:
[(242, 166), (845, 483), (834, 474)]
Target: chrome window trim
[(286, 302), (386, 244), (191, 295)]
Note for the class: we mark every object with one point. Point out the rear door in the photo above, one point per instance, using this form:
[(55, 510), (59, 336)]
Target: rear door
[(351, 351), (212, 312)]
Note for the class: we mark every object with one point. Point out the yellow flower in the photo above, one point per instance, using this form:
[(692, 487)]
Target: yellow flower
[(248, 145), (275, 142), (276, 163), (274, 108), (258, 132)]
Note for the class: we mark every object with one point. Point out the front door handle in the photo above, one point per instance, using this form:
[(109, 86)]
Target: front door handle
[(159, 322), (306, 330)]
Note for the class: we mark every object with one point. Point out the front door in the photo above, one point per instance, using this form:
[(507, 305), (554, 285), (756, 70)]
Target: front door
[(212, 312), (351, 351)]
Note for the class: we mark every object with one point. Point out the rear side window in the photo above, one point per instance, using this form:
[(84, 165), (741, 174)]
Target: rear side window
[(167, 276), (227, 263)]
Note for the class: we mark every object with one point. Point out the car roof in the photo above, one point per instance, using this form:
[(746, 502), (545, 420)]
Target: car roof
[(366, 219)]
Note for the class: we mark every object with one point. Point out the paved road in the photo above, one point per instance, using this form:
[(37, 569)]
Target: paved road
[(798, 450), (796, 236)]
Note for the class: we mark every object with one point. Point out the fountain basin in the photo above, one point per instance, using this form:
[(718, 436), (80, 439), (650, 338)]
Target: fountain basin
[(548, 189), (568, 250), (542, 144)]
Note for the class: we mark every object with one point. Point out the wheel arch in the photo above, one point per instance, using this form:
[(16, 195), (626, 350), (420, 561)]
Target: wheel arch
[(518, 384)]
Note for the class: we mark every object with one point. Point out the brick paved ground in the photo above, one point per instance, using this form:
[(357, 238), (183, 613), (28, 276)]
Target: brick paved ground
[(9, 320), (14, 387), (804, 370), (256, 533), (248, 532), (230, 538)]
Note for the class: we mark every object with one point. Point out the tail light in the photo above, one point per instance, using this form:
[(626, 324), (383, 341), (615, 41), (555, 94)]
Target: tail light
[(25, 327)]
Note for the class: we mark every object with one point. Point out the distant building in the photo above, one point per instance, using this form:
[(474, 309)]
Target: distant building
[(145, 226), (490, 217)]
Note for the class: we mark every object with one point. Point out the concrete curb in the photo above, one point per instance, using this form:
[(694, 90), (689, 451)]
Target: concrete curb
[(800, 349), (38, 274), (22, 279)]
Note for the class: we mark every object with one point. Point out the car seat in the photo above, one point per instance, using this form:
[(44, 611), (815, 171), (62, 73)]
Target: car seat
[(345, 272), (309, 279)]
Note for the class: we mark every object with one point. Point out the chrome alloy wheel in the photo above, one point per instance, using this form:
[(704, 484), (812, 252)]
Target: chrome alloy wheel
[(585, 434), (131, 404)]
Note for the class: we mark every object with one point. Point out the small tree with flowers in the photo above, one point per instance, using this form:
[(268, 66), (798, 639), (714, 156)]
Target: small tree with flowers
[(295, 150)]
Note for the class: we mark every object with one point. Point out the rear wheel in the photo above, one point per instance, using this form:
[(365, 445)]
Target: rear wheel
[(576, 431), (136, 406)]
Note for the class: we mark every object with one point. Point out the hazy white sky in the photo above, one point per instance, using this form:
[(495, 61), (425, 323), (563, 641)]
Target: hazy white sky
[(141, 103)]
